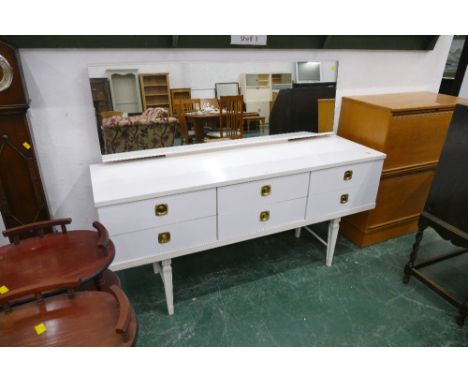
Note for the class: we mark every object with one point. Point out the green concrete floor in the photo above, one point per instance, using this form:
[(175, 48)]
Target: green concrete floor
[(276, 291)]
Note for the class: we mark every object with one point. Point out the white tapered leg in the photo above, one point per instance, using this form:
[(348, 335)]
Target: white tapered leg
[(333, 228), (156, 268), (297, 232), (165, 270)]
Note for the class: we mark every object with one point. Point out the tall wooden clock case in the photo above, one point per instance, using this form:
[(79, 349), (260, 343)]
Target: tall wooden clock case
[(22, 198)]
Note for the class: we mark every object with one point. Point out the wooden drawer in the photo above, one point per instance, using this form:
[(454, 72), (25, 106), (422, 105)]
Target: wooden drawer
[(144, 214), (400, 197), (416, 138), (239, 223), (258, 194), (340, 202), (357, 176), (134, 245)]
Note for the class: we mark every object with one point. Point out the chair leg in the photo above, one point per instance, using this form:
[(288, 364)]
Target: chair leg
[(414, 252), (463, 312), (297, 232)]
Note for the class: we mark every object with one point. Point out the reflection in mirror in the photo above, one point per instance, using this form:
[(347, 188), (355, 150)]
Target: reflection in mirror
[(164, 104)]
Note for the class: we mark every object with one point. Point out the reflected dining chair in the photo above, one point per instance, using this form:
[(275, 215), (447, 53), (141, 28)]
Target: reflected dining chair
[(231, 123), (183, 106)]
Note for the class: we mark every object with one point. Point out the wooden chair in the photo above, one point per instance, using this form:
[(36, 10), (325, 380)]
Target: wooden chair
[(231, 123), (183, 106), (189, 104), (445, 211), (89, 318), (108, 114)]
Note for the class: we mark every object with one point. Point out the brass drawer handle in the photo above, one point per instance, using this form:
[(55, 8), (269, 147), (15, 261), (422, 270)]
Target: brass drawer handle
[(344, 198), (348, 175), (161, 210), (164, 237), (266, 190), (264, 216)]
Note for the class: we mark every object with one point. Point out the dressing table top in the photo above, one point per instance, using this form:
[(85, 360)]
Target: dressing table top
[(230, 163)]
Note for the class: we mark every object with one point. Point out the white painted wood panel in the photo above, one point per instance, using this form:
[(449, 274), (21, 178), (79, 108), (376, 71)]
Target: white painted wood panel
[(141, 244), (241, 223), (248, 195), (329, 203), (134, 216), (334, 178), (115, 183)]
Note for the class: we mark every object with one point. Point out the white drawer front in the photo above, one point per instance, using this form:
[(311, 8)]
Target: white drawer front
[(335, 178), (340, 202), (248, 196), (130, 217), (241, 223), (145, 243)]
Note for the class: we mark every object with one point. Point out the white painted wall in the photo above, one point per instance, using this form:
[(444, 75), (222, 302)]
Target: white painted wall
[(62, 116)]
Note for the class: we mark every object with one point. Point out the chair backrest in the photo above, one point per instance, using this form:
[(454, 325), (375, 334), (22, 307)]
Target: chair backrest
[(108, 114), (182, 106), (189, 104), (447, 203), (231, 121)]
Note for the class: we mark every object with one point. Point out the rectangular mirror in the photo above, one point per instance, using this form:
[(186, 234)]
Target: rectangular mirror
[(165, 104)]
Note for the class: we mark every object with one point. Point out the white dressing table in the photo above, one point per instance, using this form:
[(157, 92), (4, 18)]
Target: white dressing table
[(193, 198)]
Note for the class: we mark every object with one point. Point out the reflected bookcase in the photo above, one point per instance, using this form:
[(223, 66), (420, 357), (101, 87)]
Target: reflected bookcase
[(155, 90)]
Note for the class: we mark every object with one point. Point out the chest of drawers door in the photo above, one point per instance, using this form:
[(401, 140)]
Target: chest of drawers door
[(410, 128), (166, 239), (192, 199), (342, 190), (155, 212), (260, 205)]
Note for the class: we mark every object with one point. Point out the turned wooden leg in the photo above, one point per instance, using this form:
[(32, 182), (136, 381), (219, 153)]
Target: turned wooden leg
[(463, 312), (166, 275), (333, 228), (297, 232), (414, 252)]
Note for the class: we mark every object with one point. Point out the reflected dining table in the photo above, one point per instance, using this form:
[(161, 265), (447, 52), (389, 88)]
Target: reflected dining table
[(198, 120)]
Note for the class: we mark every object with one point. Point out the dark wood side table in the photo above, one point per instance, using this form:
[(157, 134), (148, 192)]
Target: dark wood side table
[(82, 255), (87, 318)]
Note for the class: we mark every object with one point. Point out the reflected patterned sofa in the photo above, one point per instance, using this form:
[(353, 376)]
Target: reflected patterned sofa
[(154, 128)]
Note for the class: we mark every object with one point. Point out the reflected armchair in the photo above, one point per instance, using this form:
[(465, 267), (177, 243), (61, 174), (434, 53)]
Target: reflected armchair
[(152, 129)]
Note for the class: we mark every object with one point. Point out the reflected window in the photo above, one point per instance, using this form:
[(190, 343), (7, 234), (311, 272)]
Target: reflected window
[(454, 55)]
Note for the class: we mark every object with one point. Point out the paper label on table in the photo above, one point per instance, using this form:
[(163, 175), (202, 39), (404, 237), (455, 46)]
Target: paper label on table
[(4, 289), (27, 145), (40, 328)]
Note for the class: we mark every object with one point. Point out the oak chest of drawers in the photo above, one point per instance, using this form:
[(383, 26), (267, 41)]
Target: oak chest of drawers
[(410, 128), (157, 209)]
